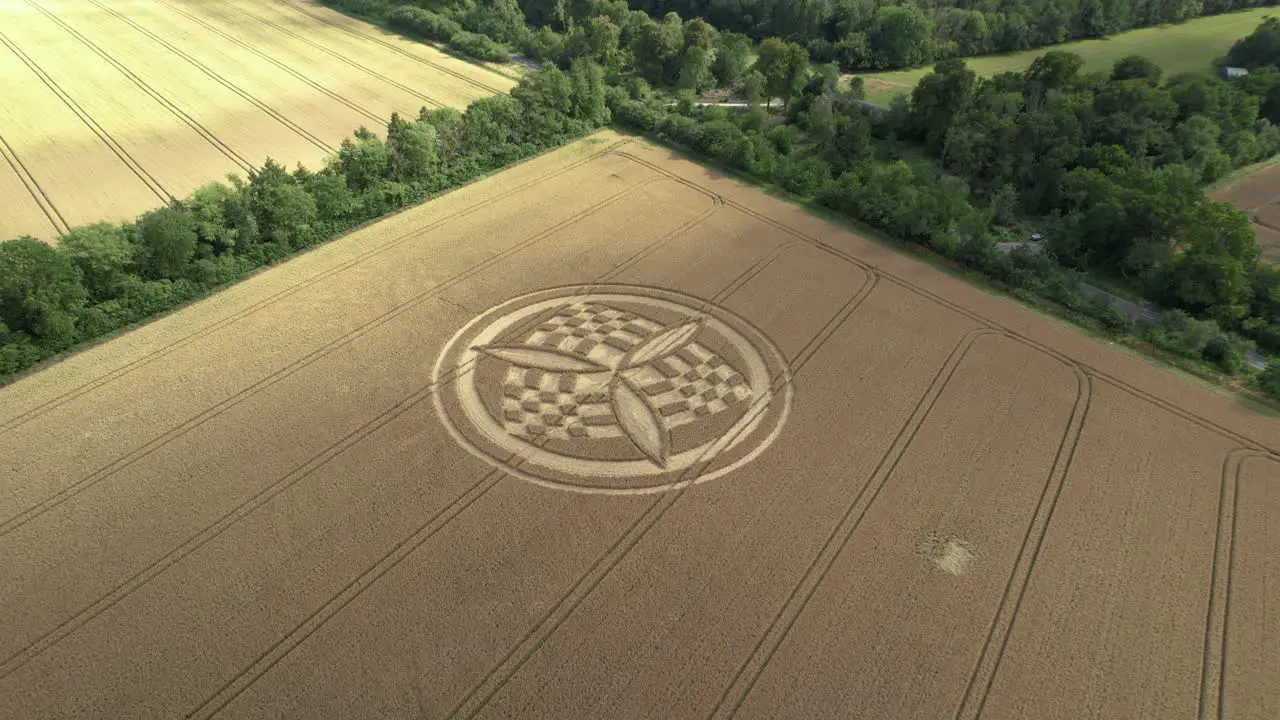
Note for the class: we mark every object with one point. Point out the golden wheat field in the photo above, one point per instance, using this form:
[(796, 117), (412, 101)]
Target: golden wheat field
[(610, 435), (111, 107)]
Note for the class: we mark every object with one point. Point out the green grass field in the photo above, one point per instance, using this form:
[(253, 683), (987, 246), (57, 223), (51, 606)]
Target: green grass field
[(1189, 47)]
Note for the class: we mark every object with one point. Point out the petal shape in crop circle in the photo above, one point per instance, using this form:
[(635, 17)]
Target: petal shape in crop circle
[(639, 421), (543, 359), (663, 343)]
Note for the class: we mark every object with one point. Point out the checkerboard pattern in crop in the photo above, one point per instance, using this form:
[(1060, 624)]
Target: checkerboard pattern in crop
[(687, 385)]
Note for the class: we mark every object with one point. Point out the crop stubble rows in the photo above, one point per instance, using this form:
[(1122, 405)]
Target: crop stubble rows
[(114, 107), (511, 550)]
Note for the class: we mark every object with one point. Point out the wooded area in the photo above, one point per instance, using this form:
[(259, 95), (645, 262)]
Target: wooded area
[(869, 35)]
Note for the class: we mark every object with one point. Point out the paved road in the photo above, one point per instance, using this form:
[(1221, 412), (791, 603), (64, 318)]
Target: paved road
[(1139, 313), (862, 103)]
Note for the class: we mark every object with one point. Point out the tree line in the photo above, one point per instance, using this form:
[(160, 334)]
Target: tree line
[(872, 35), (104, 277)]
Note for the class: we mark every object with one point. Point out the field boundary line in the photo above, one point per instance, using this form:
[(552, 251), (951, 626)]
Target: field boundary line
[(753, 665), (115, 147), (217, 77), (1213, 675), (85, 388), (328, 610), (159, 97), (1001, 628), (482, 693), (38, 194), (981, 319), (392, 46), (14, 522), (329, 51), (280, 64), (142, 577)]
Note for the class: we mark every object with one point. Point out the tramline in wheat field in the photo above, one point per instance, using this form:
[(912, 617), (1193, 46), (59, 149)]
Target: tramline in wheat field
[(113, 108), (610, 435)]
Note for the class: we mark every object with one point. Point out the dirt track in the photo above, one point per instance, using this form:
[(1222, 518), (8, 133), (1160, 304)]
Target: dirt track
[(327, 492)]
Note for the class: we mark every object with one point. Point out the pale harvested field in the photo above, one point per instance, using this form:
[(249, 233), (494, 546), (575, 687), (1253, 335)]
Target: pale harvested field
[(112, 107), (310, 496), (1258, 194)]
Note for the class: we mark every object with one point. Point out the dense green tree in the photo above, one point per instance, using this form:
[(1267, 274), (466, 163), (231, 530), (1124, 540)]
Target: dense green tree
[(282, 208), (103, 253), (1261, 47), (411, 149), (541, 13), (167, 243), (1269, 379), (938, 98), (40, 292), (1136, 67), (501, 20), (657, 49), (900, 36), (588, 93), (598, 39), (697, 33), (332, 195), (1216, 252), (784, 66), (695, 70), (363, 159), (208, 206), (548, 99), (448, 124), (732, 57), (1055, 70), (754, 86)]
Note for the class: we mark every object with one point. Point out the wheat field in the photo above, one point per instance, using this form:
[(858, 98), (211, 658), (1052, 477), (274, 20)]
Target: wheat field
[(611, 435), (112, 107)]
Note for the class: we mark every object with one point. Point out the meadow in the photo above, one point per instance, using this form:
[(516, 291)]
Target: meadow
[(1190, 47)]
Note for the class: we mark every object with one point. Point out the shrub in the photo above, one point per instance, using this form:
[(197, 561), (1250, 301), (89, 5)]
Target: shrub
[(423, 23), (1269, 379), (478, 46)]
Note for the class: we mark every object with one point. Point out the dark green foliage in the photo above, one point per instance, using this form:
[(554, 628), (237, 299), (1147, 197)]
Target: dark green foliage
[(501, 20), (901, 36), (784, 66), (1136, 67), (167, 240), (1269, 380), (40, 293), (411, 149), (1260, 48), (495, 16), (104, 254), (423, 23), (478, 46), (863, 35), (362, 159), (733, 53)]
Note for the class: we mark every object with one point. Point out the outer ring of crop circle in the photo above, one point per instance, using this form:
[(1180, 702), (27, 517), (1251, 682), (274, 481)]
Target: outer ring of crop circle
[(781, 390)]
